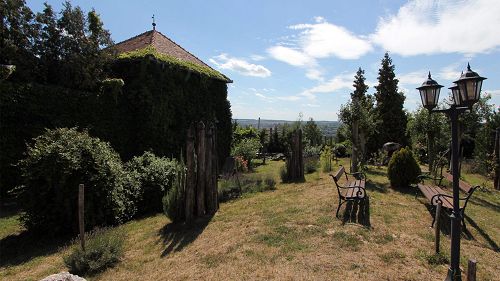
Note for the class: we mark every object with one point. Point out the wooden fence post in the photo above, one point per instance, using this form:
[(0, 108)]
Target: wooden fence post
[(497, 159), (81, 214), (471, 270), (190, 174), (201, 163), (436, 227), (211, 182)]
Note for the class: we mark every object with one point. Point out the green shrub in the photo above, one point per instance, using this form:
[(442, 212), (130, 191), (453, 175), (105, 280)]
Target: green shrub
[(403, 169), (285, 177), (311, 164), (247, 148), (56, 164), (326, 159), (173, 201), (103, 249), (155, 175)]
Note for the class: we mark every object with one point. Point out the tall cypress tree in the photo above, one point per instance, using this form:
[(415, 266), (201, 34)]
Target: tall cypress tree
[(391, 117)]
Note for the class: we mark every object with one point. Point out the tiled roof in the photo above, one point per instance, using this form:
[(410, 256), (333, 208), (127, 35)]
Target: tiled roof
[(162, 44)]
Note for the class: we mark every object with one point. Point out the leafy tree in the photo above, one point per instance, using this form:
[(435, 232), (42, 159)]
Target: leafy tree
[(357, 118), (429, 134), (312, 133), (389, 108), (17, 34)]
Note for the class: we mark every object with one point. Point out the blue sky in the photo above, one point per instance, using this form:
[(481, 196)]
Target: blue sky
[(289, 57)]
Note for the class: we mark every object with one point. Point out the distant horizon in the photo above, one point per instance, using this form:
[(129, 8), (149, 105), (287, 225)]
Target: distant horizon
[(266, 119)]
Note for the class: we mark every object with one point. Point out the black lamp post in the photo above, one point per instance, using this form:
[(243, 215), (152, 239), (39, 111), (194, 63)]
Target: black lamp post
[(465, 94)]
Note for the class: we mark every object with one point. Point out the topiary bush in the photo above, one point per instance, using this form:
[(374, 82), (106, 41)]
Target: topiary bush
[(155, 175), (103, 249), (56, 163), (403, 169)]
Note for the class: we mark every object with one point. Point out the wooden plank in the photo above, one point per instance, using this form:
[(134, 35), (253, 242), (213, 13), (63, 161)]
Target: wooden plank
[(81, 214), (191, 175), (339, 173), (200, 184), (464, 186)]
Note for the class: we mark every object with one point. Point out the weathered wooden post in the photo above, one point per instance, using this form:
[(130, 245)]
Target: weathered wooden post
[(295, 164), (81, 214), (471, 270), (190, 174), (211, 182), (436, 227), (200, 186)]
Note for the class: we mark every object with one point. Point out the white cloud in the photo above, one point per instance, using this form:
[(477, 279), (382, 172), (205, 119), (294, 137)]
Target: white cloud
[(323, 40), (450, 72), (257, 57), (492, 92), (223, 61), (339, 82), (446, 26), (290, 56), (413, 78)]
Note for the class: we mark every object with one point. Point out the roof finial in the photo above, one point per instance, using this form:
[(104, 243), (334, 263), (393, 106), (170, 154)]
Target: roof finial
[(154, 24), (429, 75), (468, 67)]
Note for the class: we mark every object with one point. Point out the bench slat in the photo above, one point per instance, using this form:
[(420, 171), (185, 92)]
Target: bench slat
[(464, 186)]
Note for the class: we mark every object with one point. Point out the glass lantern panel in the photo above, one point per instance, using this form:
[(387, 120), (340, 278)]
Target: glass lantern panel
[(471, 90), (478, 88), (463, 91)]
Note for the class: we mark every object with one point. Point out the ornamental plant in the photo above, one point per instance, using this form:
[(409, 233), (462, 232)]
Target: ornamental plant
[(403, 169)]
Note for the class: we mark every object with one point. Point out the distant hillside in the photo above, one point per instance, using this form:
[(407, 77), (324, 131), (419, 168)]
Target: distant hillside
[(329, 128)]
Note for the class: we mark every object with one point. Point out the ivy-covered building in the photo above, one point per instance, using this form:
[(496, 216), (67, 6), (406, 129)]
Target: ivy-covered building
[(166, 88)]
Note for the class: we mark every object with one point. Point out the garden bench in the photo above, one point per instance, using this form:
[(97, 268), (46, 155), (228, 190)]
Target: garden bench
[(352, 190), (436, 195)]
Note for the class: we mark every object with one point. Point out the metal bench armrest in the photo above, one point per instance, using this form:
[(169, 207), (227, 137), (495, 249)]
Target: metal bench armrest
[(358, 175)]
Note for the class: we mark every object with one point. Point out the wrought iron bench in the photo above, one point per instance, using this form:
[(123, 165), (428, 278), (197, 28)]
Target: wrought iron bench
[(352, 190), (436, 195)]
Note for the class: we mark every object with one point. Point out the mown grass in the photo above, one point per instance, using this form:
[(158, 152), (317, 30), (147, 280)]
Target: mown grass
[(291, 233)]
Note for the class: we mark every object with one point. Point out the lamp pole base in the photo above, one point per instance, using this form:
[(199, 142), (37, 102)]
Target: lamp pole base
[(453, 276)]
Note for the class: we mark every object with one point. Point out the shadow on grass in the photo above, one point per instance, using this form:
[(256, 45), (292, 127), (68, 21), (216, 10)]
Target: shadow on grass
[(357, 212), (485, 235), (176, 236), (377, 187), (22, 247), (481, 202)]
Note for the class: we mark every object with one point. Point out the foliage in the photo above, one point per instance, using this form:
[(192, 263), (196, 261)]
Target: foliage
[(6, 71), (169, 60), (173, 201), (241, 164), (156, 175), (389, 109), (403, 169), (103, 249), (326, 159), (65, 50), (247, 148), (311, 164), (56, 164), (428, 131), (230, 188), (484, 160), (312, 133), (284, 174), (342, 149)]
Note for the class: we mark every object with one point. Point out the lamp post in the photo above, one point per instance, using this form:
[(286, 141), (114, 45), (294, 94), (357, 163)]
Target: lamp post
[(465, 93)]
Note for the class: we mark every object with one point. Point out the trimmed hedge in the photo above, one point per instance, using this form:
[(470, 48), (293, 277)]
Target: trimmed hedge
[(403, 169), (56, 164)]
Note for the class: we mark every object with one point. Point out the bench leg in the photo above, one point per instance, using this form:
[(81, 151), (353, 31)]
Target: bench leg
[(338, 208), (434, 218)]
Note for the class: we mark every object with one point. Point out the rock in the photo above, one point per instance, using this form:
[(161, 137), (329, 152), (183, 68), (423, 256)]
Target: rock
[(63, 276)]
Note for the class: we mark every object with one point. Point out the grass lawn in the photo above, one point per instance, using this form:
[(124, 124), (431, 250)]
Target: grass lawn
[(288, 233)]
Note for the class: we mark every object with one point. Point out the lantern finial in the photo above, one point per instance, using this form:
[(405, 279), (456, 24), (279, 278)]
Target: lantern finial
[(429, 75), (468, 67)]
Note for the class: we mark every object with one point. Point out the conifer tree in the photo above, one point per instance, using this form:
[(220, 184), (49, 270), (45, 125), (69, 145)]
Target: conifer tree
[(392, 118)]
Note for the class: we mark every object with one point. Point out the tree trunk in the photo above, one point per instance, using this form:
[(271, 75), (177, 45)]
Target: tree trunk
[(200, 187), (355, 146)]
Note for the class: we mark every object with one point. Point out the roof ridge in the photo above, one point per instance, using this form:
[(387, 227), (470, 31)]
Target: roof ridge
[(132, 38)]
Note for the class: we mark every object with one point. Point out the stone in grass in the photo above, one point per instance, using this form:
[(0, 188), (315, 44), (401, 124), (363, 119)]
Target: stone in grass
[(63, 276)]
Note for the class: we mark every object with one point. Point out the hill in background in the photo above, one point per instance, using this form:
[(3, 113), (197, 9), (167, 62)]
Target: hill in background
[(329, 128)]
